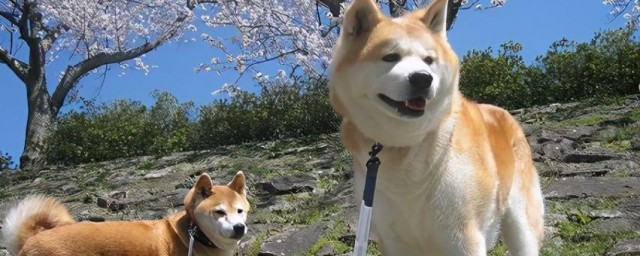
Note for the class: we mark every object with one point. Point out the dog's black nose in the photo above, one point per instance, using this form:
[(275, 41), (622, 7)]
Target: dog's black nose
[(238, 230), (420, 80)]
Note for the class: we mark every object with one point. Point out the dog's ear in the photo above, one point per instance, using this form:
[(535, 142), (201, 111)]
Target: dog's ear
[(238, 184), (202, 188), (434, 17), (361, 17)]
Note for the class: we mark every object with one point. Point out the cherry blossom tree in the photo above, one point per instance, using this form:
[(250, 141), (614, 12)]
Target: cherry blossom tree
[(98, 32), (296, 34)]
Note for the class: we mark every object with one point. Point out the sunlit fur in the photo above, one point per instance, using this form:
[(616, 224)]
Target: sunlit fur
[(39, 226), (451, 178)]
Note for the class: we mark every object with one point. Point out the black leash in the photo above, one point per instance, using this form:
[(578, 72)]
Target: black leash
[(372, 174)]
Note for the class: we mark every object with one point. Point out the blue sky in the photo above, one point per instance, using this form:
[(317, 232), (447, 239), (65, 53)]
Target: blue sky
[(533, 23)]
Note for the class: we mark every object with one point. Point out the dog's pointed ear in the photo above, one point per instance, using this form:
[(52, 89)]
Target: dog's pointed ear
[(361, 17), (434, 17), (204, 185), (202, 188), (238, 184)]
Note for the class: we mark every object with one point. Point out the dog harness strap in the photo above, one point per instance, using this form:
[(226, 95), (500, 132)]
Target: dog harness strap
[(372, 175), (196, 233)]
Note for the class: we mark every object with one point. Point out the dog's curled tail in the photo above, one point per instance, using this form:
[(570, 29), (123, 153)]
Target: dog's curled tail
[(29, 217)]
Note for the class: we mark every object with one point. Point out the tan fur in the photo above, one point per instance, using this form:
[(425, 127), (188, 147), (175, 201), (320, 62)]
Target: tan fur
[(447, 186), (52, 231)]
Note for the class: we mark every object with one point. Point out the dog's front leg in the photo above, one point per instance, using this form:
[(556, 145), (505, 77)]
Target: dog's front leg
[(471, 242)]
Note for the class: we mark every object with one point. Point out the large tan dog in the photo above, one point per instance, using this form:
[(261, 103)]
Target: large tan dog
[(453, 172), (216, 214)]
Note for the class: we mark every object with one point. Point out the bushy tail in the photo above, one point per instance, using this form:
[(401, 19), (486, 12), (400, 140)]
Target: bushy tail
[(30, 216)]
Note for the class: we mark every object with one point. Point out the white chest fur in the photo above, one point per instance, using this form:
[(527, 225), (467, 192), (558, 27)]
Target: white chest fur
[(420, 199)]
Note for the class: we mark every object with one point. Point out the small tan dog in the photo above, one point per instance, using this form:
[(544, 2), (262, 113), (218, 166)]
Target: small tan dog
[(453, 173), (216, 215)]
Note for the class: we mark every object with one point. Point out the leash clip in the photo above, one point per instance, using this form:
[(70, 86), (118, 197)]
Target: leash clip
[(192, 232)]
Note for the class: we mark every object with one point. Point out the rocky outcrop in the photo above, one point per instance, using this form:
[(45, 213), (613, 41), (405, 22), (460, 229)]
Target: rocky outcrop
[(301, 192)]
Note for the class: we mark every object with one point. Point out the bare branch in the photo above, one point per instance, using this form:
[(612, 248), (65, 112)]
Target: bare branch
[(51, 36), (23, 27), (10, 17), (333, 6), (75, 72), (396, 7), (469, 5), (191, 4), (242, 72), (18, 67), (622, 7)]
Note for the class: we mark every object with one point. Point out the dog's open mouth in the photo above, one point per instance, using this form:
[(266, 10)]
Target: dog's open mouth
[(413, 107)]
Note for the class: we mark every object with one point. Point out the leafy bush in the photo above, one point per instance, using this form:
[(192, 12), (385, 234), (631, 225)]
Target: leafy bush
[(6, 161), (127, 128), (280, 111), (608, 66), (120, 129)]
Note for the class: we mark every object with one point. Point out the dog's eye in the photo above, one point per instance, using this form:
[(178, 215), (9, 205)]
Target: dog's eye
[(240, 210), (428, 60), (220, 212), (393, 57)]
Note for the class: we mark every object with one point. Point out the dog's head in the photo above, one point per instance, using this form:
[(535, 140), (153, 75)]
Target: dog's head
[(219, 211), (394, 78)]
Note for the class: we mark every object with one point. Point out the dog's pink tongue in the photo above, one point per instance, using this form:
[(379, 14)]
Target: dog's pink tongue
[(416, 103)]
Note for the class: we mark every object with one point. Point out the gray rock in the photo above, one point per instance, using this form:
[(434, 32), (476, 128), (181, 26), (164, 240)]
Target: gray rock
[(553, 219), (177, 199), (580, 187), (557, 150), (118, 194), (320, 163), (627, 247), (4, 252), (635, 144), (111, 204), (294, 243), (282, 185), (548, 135), (580, 133), (586, 157), (158, 174), (605, 214), (615, 226)]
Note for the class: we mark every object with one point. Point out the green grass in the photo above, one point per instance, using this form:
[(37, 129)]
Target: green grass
[(331, 237), (587, 120), (576, 235), (498, 250), (308, 209), (254, 247), (145, 164), (633, 115), (620, 141), (585, 242), (4, 193)]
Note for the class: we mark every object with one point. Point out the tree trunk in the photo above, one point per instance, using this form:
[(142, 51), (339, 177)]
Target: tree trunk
[(39, 121), (41, 114)]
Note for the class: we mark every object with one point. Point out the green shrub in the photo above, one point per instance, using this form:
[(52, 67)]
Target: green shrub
[(6, 161), (608, 66), (279, 111), (120, 129), (126, 128)]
